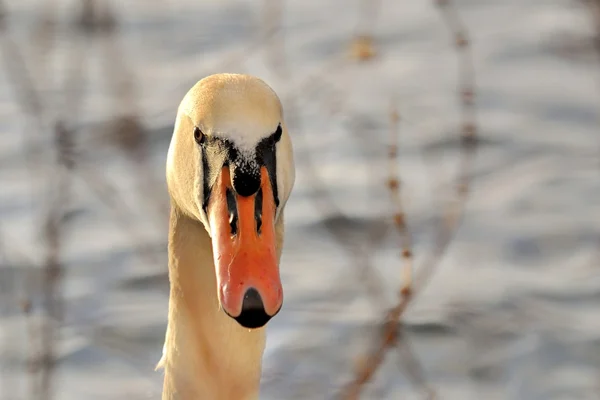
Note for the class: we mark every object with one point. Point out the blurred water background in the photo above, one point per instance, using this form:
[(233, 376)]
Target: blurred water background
[(89, 92)]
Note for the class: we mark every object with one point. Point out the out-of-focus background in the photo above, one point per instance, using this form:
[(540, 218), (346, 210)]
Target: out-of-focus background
[(503, 225)]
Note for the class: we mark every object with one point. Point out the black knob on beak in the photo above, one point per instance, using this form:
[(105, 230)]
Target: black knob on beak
[(253, 313)]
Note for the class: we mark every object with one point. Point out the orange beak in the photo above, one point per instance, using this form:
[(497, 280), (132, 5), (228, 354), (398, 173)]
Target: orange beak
[(243, 241)]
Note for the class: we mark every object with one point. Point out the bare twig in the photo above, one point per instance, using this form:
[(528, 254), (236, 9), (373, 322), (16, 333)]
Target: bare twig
[(24, 90), (359, 252), (361, 45), (408, 361), (390, 336), (127, 132), (95, 17), (452, 213), (594, 11), (104, 190), (5, 305), (406, 358), (359, 255), (23, 86), (53, 269), (29, 98), (400, 215)]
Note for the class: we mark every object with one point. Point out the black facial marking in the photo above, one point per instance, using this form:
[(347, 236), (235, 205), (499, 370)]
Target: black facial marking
[(266, 156), (277, 134), (206, 186), (215, 153), (233, 212), (258, 202), (245, 172)]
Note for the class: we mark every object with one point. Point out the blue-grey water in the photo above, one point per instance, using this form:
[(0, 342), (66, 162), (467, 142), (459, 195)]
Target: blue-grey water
[(511, 312)]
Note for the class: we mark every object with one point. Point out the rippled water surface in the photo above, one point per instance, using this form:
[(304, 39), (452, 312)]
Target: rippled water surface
[(512, 312)]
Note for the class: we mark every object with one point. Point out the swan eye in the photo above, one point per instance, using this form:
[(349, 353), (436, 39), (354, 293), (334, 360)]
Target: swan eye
[(198, 135)]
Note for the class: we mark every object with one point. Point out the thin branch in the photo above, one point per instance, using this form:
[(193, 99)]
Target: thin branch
[(23, 86), (453, 212), (409, 362), (53, 271), (361, 45), (594, 12), (394, 184), (452, 215), (358, 255)]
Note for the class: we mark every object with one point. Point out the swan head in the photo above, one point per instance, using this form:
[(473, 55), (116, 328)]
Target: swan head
[(230, 166)]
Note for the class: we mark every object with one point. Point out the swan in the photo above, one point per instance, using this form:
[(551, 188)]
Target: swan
[(230, 171)]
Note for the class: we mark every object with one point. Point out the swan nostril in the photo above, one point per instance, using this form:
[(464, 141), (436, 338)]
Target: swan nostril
[(253, 313), (252, 300)]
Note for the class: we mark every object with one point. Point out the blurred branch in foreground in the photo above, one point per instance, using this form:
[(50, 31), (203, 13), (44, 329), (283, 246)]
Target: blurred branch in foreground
[(53, 272), (450, 218)]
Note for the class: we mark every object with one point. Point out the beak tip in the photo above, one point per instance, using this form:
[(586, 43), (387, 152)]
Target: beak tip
[(254, 313)]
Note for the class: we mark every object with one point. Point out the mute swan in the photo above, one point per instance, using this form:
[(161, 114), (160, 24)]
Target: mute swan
[(230, 171)]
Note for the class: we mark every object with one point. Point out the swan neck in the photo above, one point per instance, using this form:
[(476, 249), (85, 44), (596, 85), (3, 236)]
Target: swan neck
[(207, 354)]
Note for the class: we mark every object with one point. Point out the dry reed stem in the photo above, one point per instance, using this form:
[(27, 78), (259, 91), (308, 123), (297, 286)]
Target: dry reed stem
[(53, 270), (24, 91), (394, 184), (108, 195), (6, 344), (358, 255), (359, 252), (27, 96), (31, 327), (43, 38), (59, 183), (26, 305), (75, 85), (120, 77), (468, 139), (95, 17), (32, 104), (407, 359), (59, 190), (362, 46), (127, 132), (594, 12), (453, 212), (409, 362), (390, 335), (594, 8), (23, 86)]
